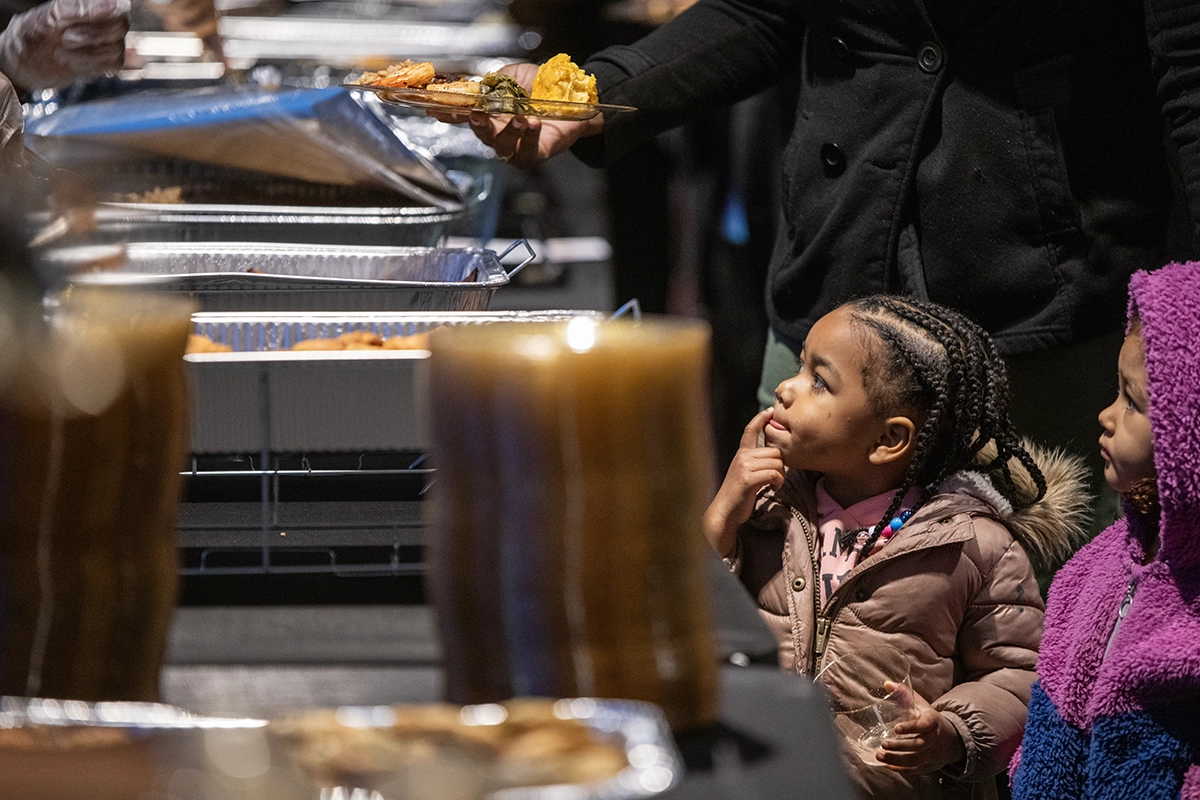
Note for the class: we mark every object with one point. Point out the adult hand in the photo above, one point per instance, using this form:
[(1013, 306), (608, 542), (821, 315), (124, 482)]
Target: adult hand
[(524, 141), (753, 468), (190, 16), (924, 744), (61, 41)]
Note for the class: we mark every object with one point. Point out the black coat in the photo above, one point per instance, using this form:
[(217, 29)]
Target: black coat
[(1002, 157)]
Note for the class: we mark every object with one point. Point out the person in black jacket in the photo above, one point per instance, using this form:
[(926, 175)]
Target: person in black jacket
[(1005, 158)]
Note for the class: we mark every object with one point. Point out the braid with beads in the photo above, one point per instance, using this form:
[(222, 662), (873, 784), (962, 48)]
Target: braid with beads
[(945, 369)]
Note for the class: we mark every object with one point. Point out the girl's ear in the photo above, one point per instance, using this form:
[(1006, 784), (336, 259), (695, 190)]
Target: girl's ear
[(898, 439)]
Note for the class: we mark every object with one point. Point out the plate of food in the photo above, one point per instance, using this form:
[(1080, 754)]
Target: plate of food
[(561, 90)]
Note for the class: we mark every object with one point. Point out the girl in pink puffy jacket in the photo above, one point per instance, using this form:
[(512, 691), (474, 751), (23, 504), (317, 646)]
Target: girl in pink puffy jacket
[(886, 499)]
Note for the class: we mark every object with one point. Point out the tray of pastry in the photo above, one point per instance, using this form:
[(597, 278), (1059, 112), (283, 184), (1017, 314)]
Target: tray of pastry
[(523, 749), (261, 276), (319, 381)]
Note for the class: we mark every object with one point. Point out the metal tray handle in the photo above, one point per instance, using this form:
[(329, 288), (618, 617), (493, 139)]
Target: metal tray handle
[(633, 308), (529, 260)]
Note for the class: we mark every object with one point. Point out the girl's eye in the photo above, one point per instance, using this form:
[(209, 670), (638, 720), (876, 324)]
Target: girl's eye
[(818, 382)]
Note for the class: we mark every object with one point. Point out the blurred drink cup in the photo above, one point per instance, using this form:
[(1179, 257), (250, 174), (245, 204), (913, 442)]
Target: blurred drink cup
[(93, 437), (573, 468)]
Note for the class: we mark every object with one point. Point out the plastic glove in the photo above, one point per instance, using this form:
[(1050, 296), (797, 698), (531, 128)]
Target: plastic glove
[(12, 126), (61, 41)]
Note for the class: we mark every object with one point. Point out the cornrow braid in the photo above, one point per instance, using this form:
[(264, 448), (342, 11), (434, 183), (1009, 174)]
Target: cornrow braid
[(945, 369)]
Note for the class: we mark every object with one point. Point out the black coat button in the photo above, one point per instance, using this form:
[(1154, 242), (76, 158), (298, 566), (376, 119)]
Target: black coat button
[(930, 58), (840, 48), (833, 159), (860, 595)]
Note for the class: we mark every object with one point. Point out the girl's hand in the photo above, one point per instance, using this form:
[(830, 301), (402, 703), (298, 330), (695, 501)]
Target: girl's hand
[(753, 468), (924, 744)]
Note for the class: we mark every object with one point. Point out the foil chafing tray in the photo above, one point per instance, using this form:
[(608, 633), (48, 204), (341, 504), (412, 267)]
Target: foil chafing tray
[(246, 276), (352, 41), (227, 205), (201, 222), (263, 397), (315, 214), (71, 750)]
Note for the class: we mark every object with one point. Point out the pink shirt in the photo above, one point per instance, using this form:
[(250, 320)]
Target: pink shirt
[(840, 544)]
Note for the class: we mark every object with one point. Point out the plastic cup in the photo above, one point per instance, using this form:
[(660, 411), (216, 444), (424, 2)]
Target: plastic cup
[(870, 694)]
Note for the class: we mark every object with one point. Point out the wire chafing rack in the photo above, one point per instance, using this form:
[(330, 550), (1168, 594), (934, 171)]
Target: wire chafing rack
[(311, 461)]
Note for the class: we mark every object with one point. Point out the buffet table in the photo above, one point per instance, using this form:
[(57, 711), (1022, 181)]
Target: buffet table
[(774, 738)]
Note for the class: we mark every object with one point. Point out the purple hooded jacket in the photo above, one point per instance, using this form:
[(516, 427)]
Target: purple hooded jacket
[(1127, 725)]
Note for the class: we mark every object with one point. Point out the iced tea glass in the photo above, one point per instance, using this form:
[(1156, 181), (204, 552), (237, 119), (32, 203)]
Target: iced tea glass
[(93, 440), (573, 465)]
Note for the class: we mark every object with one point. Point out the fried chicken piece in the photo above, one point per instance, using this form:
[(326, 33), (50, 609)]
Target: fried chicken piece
[(319, 344), (360, 340), (400, 76), (202, 344), (415, 341)]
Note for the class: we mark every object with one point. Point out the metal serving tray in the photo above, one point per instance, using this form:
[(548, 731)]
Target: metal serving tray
[(263, 277), (263, 398), (351, 41), (227, 205), (331, 223), (113, 751)]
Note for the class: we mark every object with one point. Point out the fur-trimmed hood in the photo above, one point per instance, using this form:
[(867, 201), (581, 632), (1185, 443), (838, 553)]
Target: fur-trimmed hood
[(1051, 528)]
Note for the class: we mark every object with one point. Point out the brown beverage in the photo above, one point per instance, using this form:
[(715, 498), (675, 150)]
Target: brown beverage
[(93, 437), (567, 557)]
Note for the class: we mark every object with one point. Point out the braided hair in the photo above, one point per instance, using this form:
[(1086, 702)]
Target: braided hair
[(945, 370)]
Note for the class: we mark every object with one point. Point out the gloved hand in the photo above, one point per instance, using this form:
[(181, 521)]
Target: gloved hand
[(12, 126), (190, 16), (61, 41)]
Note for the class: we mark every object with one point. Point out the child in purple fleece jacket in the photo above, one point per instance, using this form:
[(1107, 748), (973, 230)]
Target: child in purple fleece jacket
[(1116, 712)]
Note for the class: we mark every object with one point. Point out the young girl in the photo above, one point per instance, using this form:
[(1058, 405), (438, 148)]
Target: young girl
[(891, 502), (1116, 712)]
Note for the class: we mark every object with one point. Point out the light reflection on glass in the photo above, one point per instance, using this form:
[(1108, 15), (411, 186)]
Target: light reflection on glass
[(483, 714), (657, 779), (581, 334)]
